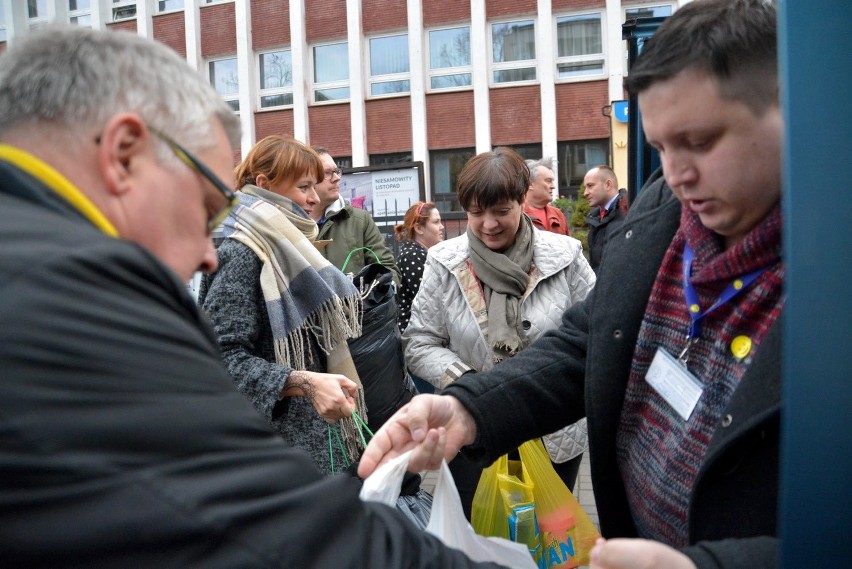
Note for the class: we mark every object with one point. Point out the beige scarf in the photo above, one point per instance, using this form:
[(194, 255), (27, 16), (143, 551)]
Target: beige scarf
[(505, 277)]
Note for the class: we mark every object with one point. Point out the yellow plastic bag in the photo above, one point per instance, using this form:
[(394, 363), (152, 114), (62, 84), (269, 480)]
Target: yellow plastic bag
[(504, 505), (567, 533), (527, 502), (488, 516)]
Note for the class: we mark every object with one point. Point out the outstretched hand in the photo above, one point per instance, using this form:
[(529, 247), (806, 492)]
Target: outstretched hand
[(637, 554), (435, 427)]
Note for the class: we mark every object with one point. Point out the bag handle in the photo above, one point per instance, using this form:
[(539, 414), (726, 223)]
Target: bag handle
[(353, 251), (360, 424)]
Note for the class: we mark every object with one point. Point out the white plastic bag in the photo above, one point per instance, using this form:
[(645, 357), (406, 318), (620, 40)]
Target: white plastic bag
[(447, 522)]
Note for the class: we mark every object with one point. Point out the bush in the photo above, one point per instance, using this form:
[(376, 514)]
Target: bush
[(575, 210), (582, 235), (581, 210)]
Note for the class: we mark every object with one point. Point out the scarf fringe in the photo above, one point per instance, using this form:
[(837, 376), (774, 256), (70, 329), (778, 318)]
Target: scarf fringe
[(510, 346), (337, 320)]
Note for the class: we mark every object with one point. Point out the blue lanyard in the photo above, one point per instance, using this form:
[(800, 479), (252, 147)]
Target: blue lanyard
[(693, 306)]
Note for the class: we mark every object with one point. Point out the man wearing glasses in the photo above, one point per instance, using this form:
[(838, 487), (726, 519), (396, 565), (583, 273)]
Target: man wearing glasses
[(350, 229), (123, 442)]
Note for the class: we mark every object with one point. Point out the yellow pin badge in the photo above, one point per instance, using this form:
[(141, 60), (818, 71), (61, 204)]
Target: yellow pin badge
[(741, 346)]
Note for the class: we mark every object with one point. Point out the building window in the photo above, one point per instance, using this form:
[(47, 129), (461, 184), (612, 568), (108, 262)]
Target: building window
[(331, 72), (662, 10), (578, 157), (579, 52), (513, 52), (80, 13), (446, 165), (276, 78), (449, 58), (647, 12), (36, 13), (527, 151), (123, 10), (224, 77), (3, 36), (169, 5), (389, 65), (391, 158), (343, 161), (37, 9)]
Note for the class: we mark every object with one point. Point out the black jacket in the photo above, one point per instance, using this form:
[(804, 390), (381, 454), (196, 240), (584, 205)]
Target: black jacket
[(583, 367), (600, 230), (123, 442)]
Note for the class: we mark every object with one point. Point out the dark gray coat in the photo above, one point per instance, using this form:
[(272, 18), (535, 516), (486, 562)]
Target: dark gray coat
[(583, 367), (233, 299), (600, 230)]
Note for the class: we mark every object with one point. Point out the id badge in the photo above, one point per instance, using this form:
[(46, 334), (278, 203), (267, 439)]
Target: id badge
[(674, 383)]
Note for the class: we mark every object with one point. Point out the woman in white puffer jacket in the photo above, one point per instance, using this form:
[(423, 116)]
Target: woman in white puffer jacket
[(489, 293)]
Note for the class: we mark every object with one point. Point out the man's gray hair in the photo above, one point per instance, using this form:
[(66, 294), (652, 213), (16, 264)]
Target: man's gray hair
[(533, 165), (78, 78)]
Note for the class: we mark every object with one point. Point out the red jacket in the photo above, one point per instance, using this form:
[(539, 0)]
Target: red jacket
[(548, 219)]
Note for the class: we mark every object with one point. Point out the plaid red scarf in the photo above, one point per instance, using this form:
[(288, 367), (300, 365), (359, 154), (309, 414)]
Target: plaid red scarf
[(659, 453)]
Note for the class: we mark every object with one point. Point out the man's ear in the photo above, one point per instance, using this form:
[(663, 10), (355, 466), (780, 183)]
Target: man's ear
[(123, 140)]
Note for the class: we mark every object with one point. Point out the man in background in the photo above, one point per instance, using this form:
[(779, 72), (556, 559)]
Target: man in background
[(539, 195), (349, 229), (608, 209)]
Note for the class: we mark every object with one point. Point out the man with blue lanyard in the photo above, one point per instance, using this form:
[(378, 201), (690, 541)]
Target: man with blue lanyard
[(674, 356)]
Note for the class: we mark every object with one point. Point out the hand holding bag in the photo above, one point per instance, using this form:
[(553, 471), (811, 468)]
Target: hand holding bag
[(447, 521)]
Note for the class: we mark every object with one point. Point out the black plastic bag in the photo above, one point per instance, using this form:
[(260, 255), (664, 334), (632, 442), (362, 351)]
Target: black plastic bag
[(377, 353)]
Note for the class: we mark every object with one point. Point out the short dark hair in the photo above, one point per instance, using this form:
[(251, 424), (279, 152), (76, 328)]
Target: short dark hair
[(734, 41), (493, 177)]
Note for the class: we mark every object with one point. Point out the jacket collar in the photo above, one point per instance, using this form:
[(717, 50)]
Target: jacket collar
[(338, 205), (58, 184)]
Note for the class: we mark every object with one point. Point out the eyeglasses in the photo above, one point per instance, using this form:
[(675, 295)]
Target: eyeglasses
[(215, 214), (329, 174)]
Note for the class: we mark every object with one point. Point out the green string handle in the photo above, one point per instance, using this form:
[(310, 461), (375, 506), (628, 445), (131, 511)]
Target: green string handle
[(362, 426), (353, 251)]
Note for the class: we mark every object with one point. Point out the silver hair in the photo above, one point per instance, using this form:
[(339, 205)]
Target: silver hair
[(78, 78), (533, 165)]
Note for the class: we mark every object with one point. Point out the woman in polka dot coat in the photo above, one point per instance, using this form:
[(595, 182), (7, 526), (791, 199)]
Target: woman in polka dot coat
[(420, 229)]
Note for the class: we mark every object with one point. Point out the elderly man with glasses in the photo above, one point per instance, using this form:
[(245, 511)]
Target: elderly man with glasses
[(123, 442), (355, 239)]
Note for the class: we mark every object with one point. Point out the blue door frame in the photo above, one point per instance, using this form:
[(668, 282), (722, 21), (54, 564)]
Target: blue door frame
[(815, 53)]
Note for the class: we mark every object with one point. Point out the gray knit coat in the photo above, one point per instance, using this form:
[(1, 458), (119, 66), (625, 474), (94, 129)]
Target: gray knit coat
[(233, 299)]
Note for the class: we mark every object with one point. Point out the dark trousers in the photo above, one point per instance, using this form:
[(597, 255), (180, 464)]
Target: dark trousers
[(466, 475)]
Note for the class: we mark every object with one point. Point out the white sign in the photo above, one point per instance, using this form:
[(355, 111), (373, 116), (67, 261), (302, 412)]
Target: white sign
[(383, 192)]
